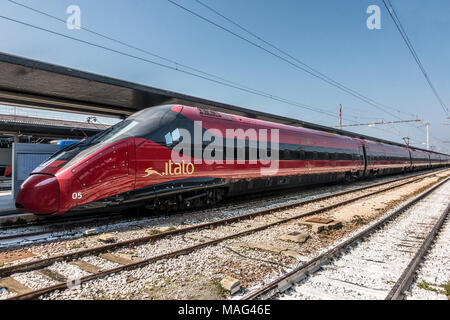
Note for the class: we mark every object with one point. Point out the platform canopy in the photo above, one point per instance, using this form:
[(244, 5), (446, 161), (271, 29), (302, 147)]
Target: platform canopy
[(35, 84), (40, 127)]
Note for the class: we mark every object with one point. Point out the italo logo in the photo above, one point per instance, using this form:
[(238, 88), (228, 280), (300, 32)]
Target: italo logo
[(173, 169)]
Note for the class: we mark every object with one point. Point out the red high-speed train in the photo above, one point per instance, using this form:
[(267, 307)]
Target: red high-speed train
[(132, 163)]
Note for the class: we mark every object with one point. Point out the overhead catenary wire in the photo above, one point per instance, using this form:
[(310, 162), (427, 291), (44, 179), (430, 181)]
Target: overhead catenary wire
[(178, 65), (250, 90), (311, 71), (398, 24), (277, 48), (136, 57), (296, 65), (304, 106), (284, 52), (405, 37)]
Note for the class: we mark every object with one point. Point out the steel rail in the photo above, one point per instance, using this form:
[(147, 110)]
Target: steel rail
[(48, 220), (285, 281), (97, 219), (44, 220), (32, 265), (137, 264), (407, 276)]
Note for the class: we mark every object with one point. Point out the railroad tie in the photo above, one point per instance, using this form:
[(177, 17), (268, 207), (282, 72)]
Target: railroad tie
[(85, 266), (52, 275), (115, 258), (14, 286)]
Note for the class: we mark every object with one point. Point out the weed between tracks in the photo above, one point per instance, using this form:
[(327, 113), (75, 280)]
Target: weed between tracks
[(220, 290), (435, 287), (21, 221), (78, 245), (213, 288), (7, 223), (394, 203), (154, 232), (358, 220)]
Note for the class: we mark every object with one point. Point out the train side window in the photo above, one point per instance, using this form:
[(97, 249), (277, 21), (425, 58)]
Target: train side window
[(319, 156), (323, 156), (176, 136), (172, 137), (168, 138)]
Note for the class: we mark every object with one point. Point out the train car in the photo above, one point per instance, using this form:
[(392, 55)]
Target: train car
[(443, 160), (436, 160), (132, 162), (420, 159), (173, 157), (386, 159)]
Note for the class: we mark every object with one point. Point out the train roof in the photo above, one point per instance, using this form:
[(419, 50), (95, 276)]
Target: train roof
[(35, 84)]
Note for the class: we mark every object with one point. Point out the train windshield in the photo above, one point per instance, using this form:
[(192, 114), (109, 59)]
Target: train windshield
[(75, 152), (118, 131), (150, 123)]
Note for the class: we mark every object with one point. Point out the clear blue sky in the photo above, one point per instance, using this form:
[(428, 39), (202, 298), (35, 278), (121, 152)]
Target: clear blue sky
[(329, 35)]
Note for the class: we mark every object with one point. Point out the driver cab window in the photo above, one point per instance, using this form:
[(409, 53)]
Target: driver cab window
[(172, 137)]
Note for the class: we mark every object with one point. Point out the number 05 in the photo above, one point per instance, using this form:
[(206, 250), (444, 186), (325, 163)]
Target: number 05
[(77, 195)]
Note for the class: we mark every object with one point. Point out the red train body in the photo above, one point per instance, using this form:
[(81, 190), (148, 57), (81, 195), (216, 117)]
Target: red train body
[(131, 164)]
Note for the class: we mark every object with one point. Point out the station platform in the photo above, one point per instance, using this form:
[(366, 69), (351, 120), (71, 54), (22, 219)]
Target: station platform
[(7, 205), (8, 212), (5, 184)]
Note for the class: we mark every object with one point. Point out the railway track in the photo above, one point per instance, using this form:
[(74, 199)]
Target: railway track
[(17, 236), (92, 272), (378, 262), (432, 278)]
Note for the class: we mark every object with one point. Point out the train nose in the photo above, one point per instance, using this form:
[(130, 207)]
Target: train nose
[(39, 194)]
